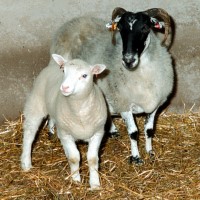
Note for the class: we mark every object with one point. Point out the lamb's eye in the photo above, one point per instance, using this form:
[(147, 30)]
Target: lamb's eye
[(84, 75)]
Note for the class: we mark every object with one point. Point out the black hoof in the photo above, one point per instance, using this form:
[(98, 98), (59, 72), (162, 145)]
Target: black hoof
[(50, 135), (136, 160), (114, 134), (151, 154)]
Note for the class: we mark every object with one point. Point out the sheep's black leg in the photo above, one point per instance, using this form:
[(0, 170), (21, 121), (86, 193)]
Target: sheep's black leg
[(133, 134), (113, 130), (149, 132)]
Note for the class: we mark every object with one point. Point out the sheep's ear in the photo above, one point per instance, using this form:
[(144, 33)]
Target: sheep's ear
[(98, 68), (59, 60), (156, 23)]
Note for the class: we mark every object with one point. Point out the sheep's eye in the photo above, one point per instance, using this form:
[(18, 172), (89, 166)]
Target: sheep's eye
[(84, 75), (145, 29)]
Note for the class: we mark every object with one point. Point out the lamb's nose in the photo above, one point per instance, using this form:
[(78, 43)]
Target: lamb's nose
[(65, 88)]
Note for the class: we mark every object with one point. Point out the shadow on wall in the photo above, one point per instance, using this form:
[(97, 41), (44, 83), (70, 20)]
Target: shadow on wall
[(18, 70)]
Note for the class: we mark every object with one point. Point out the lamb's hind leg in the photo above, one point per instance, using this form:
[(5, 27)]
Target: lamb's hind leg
[(51, 127), (31, 125), (133, 134), (149, 132)]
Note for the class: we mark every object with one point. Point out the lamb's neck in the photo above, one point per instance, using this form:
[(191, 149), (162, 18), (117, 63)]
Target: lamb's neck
[(81, 101)]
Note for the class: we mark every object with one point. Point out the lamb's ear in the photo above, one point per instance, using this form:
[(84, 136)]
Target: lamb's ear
[(98, 68), (59, 60)]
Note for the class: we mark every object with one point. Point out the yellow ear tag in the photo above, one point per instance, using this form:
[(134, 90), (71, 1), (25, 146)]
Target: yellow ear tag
[(114, 26)]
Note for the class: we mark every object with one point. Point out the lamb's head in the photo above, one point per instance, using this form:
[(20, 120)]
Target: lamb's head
[(135, 28), (77, 75)]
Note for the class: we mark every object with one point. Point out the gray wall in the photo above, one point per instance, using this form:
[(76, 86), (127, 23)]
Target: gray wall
[(26, 28)]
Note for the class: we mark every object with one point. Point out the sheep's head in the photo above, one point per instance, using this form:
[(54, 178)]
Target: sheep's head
[(134, 29)]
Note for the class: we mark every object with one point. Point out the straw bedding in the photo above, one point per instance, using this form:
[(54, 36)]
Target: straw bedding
[(174, 173)]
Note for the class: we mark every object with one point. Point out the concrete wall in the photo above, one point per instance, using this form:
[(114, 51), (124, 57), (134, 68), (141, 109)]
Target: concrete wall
[(26, 28)]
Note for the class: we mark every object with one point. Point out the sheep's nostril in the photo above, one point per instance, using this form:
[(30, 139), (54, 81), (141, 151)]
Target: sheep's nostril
[(128, 58), (129, 61)]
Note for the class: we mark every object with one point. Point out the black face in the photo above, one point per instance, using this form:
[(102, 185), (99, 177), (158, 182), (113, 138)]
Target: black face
[(134, 29)]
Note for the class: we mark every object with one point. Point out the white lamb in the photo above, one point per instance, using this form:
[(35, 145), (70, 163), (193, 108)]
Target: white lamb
[(77, 107)]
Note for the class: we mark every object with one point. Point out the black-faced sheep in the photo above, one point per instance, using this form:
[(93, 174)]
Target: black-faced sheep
[(141, 74)]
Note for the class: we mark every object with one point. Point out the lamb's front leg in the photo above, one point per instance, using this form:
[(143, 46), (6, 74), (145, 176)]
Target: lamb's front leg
[(72, 154), (93, 159), (133, 134)]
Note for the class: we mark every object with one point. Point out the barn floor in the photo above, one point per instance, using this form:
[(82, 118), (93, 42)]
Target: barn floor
[(173, 174)]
